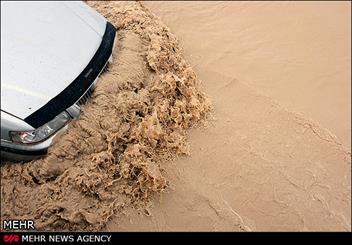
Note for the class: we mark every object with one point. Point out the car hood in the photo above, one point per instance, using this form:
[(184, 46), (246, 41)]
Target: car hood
[(44, 47)]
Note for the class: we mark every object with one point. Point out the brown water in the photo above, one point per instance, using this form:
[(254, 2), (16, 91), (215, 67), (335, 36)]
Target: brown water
[(258, 165), (297, 53), (261, 165)]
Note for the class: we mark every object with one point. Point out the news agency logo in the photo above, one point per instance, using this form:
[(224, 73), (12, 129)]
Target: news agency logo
[(11, 238), (28, 225), (55, 238), (17, 224)]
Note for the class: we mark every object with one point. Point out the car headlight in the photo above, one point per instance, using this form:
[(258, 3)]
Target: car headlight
[(42, 132)]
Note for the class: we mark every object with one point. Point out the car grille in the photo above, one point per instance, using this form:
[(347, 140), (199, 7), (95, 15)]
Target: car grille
[(88, 94)]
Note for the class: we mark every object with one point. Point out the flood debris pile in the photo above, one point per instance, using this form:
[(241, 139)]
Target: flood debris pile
[(111, 157)]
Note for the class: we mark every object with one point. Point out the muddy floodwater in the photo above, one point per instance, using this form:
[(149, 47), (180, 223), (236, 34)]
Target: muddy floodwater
[(297, 53), (220, 116), (278, 154)]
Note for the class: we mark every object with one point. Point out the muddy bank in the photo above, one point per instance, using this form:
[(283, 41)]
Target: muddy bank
[(110, 158)]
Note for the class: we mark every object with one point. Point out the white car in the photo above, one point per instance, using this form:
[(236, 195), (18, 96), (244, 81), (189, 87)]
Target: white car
[(51, 56)]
